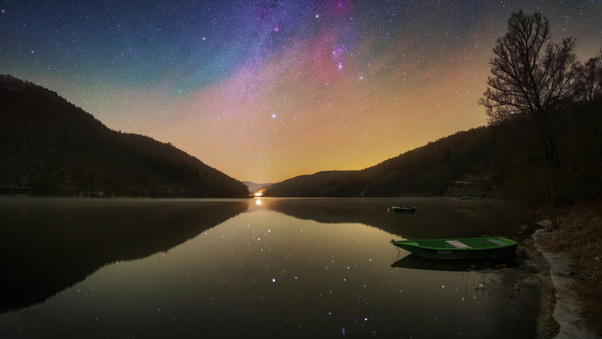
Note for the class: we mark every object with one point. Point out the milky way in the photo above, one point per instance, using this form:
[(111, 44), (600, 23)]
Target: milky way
[(267, 90)]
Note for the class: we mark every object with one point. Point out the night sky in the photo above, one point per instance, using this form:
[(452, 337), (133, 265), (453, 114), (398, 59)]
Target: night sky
[(267, 90)]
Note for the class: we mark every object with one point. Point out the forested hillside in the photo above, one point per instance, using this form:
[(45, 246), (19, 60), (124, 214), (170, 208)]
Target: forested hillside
[(486, 159), (543, 143), (49, 146), (428, 170)]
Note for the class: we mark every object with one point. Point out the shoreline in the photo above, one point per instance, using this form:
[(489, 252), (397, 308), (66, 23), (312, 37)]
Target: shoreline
[(548, 274), (567, 277), (566, 309)]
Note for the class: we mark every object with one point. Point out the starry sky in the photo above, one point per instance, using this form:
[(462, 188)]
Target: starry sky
[(268, 90)]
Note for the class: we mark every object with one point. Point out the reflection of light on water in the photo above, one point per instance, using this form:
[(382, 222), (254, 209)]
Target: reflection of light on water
[(348, 248)]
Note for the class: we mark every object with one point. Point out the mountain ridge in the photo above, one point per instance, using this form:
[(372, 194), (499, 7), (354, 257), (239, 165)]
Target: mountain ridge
[(426, 170), (52, 147), (488, 159)]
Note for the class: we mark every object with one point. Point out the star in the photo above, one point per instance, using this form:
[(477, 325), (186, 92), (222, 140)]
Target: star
[(208, 76)]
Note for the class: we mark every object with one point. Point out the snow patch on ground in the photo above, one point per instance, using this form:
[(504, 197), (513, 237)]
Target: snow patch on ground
[(567, 310)]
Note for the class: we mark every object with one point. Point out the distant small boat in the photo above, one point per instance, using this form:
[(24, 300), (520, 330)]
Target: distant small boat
[(402, 209), (466, 197), (460, 248)]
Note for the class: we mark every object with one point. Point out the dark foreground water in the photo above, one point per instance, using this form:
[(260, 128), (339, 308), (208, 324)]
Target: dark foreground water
[(277, 268)]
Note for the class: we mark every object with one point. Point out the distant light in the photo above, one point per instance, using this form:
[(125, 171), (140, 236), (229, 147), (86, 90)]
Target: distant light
[(273, 115)]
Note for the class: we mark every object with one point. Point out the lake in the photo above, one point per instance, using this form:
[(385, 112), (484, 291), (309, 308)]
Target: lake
[(269, 268)]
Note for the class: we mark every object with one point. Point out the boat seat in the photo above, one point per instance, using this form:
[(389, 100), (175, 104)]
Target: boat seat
[(496, 242), (457, 244)]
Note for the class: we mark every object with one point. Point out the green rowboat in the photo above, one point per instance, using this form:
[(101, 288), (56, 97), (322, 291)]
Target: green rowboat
[(460, 248)]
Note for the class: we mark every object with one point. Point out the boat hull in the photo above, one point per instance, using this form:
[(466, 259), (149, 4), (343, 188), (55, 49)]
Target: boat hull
[(478, 249), (402, 209)]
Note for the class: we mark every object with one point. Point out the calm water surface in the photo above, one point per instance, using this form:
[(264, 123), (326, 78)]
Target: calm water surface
[(277, 268)]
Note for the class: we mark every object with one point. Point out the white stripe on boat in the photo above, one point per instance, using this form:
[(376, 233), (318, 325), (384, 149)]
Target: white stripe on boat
[(457, 244)]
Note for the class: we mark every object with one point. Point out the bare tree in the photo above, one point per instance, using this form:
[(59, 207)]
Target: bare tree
[(588, 80), (529, 82)]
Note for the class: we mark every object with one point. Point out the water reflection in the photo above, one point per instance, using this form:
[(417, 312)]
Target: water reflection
[(286, 268), (47, 245), (412, 261), (434, 217)]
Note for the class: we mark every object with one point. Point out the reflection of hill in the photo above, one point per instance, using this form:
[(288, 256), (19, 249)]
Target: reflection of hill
[(434, 217), (48, 245)]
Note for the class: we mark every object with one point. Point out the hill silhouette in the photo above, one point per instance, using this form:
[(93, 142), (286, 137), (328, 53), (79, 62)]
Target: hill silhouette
[(48, 146), (463, 158), (487, 159), (51, 147)]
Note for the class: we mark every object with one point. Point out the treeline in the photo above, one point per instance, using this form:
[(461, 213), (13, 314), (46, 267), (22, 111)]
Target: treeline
[(428, 170), (486, 159), (48, 146), (535, 84), (543, 143)]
